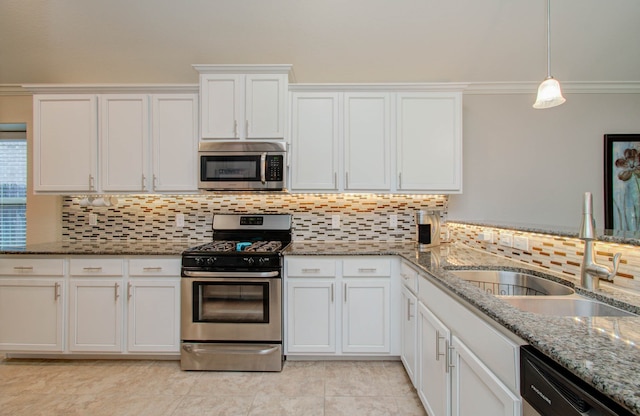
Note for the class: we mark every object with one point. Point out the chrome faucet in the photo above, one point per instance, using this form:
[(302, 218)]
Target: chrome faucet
[(591, 272)]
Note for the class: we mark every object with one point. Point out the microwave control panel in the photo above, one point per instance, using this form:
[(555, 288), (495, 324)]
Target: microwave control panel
[(275, 168)]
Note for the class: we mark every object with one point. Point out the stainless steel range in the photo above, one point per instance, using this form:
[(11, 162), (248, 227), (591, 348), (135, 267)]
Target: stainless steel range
[(231, 312)]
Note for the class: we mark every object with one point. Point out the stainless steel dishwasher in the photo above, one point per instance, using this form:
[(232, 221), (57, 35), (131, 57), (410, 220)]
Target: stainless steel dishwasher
[(549, 390)]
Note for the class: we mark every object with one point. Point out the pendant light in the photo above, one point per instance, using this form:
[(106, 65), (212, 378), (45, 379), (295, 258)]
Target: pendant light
[(549, 93)]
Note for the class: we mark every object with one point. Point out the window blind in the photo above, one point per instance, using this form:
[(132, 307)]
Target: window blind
[(13, 189)]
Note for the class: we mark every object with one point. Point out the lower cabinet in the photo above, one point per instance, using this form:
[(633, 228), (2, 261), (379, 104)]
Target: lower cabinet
[(465, 366), (338, 306)]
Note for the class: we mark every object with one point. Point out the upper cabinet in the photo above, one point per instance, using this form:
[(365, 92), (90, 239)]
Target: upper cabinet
[(107, 143), (376, 138), (243, 101), (429, 141)]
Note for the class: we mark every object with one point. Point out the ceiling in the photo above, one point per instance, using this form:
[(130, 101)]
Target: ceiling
[(150, 41)]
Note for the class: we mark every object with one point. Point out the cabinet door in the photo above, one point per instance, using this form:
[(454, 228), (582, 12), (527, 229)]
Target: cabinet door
[(175, 142), (124, 142), (222, 115), (31, 314), (265, 106), (409, 331), (65, 143), (429, 142), (365, 316), (367, 141), (314, 141), (153, 315), (434, 379), (476, 389), (95, 315), (311, 316)]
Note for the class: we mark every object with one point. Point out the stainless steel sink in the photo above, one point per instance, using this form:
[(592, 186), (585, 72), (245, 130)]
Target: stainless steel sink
[(509, 283), (568, 306)]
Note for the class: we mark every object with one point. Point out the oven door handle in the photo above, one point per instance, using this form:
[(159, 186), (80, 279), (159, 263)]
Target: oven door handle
[(189, 273)]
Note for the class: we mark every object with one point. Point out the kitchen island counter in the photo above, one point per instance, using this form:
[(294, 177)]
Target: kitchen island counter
[(603, 351)]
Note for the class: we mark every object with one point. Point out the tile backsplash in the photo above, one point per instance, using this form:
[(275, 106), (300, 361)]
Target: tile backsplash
[(362, 216), (557, 253)]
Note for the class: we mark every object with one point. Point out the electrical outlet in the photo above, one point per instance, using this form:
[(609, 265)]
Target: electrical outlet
[(335, 222), (521, 242), (179, 220), (93, 219), (486, 236), (506, 239), (393, 221)]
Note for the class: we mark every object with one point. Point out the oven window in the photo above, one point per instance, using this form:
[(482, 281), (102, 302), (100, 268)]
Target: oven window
[(231, 302), (237, 168)]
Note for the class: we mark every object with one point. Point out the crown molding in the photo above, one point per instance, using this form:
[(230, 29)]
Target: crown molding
[(110, 88), (13, 90), (569, 87), (381, 87)]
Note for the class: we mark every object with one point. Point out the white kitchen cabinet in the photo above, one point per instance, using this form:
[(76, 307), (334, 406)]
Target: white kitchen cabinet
[(340, 141), (338, 306), (65, 143), (95, 315), (243, 101), (409, 332), (174, 142), (434, 385), (429, 141), (311, 316), (367, 138), (124, 139), (315, 138), (365, 316), (459, 351), (478, 391), (153, 305)]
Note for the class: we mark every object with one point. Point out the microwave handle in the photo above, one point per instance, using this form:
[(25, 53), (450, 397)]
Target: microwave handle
[(263, 168)]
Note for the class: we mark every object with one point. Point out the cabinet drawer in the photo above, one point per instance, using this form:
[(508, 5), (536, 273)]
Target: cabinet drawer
[(409, 277), (31, 267), (95, 267), (311, 267), (366, 267), (154, 267)]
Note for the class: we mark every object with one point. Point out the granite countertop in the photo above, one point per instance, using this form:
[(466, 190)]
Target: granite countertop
[(603, 351), (107, 247)]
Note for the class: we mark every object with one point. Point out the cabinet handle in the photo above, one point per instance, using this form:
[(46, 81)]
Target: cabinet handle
[(235, 129), (449, 356), (151, 269), (92, 269), (346, 180), (91, 183), (310, 270), (367, 269), (331, 292), (117, 291), (438, 353), (144, 181), (345, 293), (246, 127), (128, 290), (56, 291), (335, 180), (408, 309), (155, 180), (23, 268)]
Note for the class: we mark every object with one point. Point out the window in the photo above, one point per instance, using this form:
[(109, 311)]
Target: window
[(13, 185)]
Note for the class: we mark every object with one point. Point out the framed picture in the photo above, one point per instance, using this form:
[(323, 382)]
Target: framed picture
[(622, 182)]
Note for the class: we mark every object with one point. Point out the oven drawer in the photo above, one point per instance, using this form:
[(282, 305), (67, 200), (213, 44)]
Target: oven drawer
[(311, 268), (96, 267), (230, 357)]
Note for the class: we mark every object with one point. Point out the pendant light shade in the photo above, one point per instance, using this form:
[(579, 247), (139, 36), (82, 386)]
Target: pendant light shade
[(549, 92)]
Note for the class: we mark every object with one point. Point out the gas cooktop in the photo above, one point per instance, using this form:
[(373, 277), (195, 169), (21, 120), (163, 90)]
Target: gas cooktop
[(226, 246)]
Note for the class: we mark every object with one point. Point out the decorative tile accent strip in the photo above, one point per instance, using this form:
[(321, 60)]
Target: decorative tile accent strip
[(557, 253), (363, 216)]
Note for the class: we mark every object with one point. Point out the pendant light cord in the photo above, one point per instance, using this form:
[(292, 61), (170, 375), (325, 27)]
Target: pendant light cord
[(548, 38)]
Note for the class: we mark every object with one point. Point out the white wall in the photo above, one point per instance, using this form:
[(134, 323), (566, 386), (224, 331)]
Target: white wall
[(529, 166)]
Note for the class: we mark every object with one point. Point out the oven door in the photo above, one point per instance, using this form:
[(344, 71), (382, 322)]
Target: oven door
[(224, 307), (241, 171)]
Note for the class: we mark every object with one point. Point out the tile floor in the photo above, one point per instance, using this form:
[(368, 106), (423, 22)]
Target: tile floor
[(121, 387)]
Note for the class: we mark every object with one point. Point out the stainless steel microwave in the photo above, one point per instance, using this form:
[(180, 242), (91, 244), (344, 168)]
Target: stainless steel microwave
[(242, 166)]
